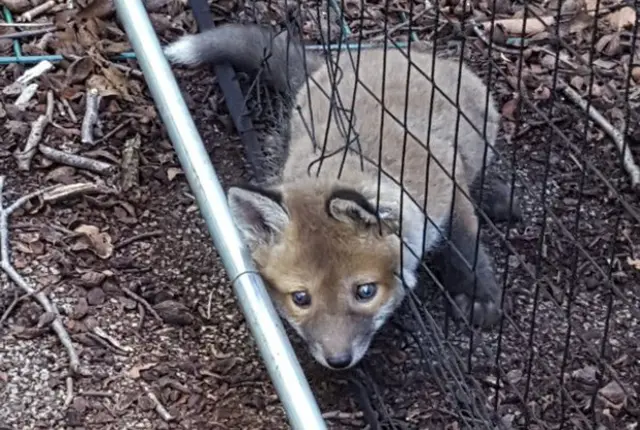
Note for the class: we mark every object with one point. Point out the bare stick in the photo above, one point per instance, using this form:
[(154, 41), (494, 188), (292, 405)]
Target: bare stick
[(164, 414), (77, 161), (130, 162), (513, 26), (38, 10), (618, 138), (25, 24), (90, 116), (5, 264), (142, 301), (137, 237), (69, 397), (25, 96), (27, 33), (339, 415), (70, 111), (28, 76), (17, 299), (116, 129), (23, 157), (44, 41)]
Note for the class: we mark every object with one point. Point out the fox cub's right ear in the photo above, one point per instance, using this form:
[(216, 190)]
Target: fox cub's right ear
[(258, 213)]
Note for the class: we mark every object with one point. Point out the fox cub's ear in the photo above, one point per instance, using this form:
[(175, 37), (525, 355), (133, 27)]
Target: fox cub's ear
[(350, 206), (258, 213)]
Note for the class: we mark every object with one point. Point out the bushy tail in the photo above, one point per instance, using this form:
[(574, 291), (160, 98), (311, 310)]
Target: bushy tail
[(249, 48)]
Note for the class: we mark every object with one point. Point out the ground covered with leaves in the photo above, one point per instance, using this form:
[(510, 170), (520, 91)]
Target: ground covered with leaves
[(113, 241)]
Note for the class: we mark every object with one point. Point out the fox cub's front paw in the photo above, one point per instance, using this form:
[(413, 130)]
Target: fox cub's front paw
[(486, 310)]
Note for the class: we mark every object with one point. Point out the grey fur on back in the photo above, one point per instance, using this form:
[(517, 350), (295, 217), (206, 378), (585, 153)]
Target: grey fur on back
[(279, 59)]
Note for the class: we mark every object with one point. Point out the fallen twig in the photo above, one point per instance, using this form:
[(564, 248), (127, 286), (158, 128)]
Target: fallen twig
[(90, 115), (339, 415), (142, 301), (43, 43), (513, 26), (77, 161), (28, 76), (116, 129), (38, 10), (105, 344), (618, 138), (16, 299), (137, 237), (160, 409), (69, 397), (480, 32), (25, 24), (113, 341), (93, 393), (25, 96), (27, 33), (70, 111), (23, 157), (5, 264), (130, 162)]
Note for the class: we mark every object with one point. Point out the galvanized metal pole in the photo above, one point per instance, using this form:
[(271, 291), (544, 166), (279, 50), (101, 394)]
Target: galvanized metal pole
[(265, 325)]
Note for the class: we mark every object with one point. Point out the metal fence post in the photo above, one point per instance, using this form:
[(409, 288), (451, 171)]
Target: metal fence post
[(275, 348)]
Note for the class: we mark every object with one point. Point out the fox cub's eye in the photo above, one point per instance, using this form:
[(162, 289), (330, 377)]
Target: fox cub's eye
[(301, 299), (366, 292)]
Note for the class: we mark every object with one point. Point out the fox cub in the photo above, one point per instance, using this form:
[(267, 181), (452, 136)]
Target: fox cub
[(328, 245)]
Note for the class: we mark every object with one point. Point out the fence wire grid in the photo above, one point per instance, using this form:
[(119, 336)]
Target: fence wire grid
[(565, 353), (566, 78)]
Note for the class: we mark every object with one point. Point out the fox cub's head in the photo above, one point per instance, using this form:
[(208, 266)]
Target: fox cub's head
[(329, 261)]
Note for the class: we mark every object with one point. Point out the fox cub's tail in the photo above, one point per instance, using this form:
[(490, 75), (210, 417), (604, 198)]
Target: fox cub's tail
[(249, 48)]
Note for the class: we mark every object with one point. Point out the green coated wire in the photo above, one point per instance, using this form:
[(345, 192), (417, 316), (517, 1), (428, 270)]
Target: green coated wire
[(346, 31), (414, 36), (16, 43)]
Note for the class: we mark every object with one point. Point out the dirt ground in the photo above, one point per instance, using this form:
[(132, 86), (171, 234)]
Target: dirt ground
[(149, 308)]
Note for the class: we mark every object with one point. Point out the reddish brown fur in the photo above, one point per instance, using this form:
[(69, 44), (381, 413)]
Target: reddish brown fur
[(326, 257)]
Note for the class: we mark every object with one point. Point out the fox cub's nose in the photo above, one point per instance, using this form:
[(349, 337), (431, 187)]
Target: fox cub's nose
[(340, 361)]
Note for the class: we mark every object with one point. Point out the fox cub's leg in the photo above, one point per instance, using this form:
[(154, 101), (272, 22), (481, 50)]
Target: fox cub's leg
[(495, 200), (455, 268)]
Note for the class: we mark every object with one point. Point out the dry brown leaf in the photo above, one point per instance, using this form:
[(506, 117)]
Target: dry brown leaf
[(591, 6), (622, 18), (634, 262), (635, 74), (103, 85), (46, 319), (119, 81), (510, 108), (541, 93), (580, 22), (571, 7), (609, 44), (112, 48), (79, 70), (97, 9), (614, 394), (134, 372), (93, 240), (172, 172)]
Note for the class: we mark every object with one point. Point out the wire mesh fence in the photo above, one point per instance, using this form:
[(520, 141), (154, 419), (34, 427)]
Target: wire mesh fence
[(565, 77), (564, 354)]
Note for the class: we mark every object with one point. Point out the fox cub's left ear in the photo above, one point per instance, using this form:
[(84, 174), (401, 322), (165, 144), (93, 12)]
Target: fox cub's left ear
[(352, 207), (258, 213)]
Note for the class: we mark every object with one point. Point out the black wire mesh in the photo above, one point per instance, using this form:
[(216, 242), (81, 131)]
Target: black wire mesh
[(565, 354)]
